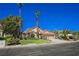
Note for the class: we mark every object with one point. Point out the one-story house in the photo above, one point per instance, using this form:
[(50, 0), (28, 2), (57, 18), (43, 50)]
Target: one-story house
[(43, 34)]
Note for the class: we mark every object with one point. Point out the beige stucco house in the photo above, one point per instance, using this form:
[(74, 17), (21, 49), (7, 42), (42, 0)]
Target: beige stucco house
[(43, 34)]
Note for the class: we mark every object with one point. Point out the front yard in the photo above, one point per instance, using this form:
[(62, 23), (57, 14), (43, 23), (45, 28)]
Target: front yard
[(34, 41), (26, 41)]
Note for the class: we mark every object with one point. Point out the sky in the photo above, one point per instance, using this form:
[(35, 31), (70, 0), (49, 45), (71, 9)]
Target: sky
[(52, 15)]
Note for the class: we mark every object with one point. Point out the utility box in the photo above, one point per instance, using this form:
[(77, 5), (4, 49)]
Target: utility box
[(2, 43)]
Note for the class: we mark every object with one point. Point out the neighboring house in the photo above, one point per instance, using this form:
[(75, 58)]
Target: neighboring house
[(43, 34), (48, 35)]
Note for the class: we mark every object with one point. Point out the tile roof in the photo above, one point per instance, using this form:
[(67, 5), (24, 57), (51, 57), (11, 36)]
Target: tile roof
[(44, 32)]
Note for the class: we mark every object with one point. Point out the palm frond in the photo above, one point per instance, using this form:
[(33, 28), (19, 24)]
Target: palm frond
[(20, 5)]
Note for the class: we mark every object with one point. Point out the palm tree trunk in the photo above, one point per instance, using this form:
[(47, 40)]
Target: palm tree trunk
[(37, 26), (20, 12), (20, 24)]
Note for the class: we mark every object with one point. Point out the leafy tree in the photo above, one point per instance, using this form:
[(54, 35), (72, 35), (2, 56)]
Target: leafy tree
[(12, 25)]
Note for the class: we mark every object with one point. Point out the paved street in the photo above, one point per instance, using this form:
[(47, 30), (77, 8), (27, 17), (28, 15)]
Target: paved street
[(64, 49)]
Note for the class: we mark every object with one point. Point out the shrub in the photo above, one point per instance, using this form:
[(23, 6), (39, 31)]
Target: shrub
[(63, 37), (1, 38), (11, 41), (71, 37)]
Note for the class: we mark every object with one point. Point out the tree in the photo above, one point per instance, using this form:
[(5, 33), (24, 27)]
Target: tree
[(20, 5), (65, 32), (56, 33), (11, 25), (37, 13)]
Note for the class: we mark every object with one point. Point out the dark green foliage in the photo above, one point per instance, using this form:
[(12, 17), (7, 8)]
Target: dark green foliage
[(20, 5), (12, 25), (1, 38), (10, 40), (37, 13), (71, 37)]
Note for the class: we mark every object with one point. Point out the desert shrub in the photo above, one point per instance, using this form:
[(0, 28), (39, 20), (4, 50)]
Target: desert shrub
[(71, 37), (64, 37)]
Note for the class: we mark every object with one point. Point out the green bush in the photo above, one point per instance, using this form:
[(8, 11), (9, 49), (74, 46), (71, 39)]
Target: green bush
[(64, 37), (1, 38), (8, 38), (71, 37), (11, 40)]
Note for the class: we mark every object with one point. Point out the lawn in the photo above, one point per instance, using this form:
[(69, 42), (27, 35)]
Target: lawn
[(34, 41)]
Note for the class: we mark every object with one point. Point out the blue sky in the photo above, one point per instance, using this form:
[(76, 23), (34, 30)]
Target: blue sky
[(52, 16)]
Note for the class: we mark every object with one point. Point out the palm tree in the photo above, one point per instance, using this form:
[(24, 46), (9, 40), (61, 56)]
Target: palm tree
[(20, 5), (65, 32), (37, 13)]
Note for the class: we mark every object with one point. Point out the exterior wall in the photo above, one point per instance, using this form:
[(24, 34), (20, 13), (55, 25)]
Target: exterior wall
[(50, 37), (23, 36), (35, 35)]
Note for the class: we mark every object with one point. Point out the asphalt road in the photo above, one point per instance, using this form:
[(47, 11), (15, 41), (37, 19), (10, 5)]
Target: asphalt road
[(64, 49)]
